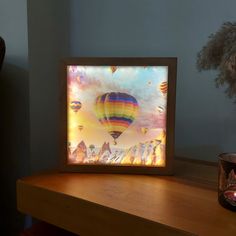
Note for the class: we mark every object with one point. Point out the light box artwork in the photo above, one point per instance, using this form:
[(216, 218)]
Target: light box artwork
[(117, 115)]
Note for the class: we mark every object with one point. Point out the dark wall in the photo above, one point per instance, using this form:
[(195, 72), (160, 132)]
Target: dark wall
[(29, 87), (48, 27), (14, 99)]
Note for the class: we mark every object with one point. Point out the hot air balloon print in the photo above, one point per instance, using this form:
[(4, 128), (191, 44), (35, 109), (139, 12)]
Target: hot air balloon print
[(160, 109), (116, 111), (80, 127), (113, 69), (75, 105), (144, 130), (91, 147), (163, 87)]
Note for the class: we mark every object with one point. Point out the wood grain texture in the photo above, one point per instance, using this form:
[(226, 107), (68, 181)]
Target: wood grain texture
[(105, 204)]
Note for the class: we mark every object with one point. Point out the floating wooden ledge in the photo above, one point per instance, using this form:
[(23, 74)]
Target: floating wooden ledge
[(120, 205)]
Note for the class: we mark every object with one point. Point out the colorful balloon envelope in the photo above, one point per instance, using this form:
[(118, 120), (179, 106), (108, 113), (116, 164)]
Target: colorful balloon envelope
[(75, 105), (164, 87), (116, 111)]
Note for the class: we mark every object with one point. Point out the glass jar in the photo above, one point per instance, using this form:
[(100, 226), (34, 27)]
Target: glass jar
[(227, 180)]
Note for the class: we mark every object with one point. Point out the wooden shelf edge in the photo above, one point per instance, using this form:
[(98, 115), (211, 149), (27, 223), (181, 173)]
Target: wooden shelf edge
[(60, 208)]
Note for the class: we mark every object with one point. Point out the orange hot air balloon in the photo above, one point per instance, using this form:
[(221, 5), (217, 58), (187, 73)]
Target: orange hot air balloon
[(144, 130), (163, 87), (113, 69)]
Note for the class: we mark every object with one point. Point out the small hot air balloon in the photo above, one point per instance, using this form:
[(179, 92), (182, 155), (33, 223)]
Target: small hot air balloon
[(116, 111), (75, 105), (144, 130), (149, 82), (113, 69), (80, 127), (78, 79), (160, 109), (163, 87), (91, 147)]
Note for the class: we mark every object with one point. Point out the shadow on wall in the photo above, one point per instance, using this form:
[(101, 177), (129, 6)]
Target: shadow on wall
[(15, 161)]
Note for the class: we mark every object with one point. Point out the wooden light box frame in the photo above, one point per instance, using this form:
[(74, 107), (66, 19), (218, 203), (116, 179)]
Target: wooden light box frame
[(171, 64)]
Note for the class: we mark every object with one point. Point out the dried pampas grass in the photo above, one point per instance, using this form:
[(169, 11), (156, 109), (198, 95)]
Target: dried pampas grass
[(220, 53)]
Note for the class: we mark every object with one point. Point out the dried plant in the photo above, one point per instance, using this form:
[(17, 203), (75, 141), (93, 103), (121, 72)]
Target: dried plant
[(220, 53)]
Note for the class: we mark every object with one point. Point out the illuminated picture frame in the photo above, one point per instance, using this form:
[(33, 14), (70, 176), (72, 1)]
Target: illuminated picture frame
[(117, 115)]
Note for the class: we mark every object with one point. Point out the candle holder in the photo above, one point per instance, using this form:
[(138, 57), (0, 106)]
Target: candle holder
[(227, 181)]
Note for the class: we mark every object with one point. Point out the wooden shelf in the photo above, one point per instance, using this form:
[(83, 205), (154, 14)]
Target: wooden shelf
[(106, 204)]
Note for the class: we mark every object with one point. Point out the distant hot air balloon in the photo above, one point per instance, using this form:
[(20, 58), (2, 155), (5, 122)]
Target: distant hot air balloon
[(75, 105), (113, 69), (163, 87), (144, 130), (149, 82), (116, 111), (80, 127), (91, 147), (160, 109), (78, 79)]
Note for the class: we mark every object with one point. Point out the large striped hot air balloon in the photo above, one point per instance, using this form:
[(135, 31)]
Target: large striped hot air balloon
[(75, 105), (116, 111), (163, 87)]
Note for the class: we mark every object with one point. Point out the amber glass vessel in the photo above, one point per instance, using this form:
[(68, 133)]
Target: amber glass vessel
[(227, 180)]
